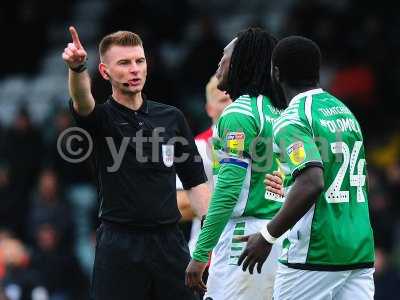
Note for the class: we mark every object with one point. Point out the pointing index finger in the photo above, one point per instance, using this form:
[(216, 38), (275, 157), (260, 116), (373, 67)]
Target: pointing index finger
[(75, 37)]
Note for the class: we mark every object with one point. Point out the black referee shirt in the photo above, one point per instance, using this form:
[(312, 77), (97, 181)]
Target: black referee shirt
[(142, 191)]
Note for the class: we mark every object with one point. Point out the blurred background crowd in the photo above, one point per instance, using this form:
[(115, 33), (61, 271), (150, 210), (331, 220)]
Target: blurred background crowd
[(48, 206)]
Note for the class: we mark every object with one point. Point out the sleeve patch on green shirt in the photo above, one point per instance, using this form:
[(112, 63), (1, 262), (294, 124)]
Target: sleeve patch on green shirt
[(235, 143), (297, 153)]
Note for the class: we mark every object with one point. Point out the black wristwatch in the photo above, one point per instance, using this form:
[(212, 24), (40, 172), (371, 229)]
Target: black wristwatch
[(80, 68)]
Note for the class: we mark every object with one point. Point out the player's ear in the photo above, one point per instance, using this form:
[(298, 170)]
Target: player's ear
[(103, 71)]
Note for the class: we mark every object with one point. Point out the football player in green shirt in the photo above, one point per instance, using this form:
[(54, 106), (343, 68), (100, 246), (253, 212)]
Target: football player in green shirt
[(243, 155), (329, 251)]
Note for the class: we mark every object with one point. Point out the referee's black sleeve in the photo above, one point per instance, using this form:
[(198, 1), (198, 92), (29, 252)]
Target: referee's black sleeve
[(188, 162), (91, 122)]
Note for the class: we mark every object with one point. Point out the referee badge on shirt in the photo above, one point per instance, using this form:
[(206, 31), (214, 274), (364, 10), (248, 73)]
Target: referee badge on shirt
[(168, 155)]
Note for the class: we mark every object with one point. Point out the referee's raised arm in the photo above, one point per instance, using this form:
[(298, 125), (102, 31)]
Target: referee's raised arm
[(75, 57)]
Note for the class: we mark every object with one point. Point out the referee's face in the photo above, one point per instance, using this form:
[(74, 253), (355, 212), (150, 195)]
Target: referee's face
[(126, 68)]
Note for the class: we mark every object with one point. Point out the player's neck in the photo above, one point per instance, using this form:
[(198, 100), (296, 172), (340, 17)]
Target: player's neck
[(132, 101), (291, 92)]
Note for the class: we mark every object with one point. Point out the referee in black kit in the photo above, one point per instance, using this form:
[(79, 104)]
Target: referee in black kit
[(139, 147)]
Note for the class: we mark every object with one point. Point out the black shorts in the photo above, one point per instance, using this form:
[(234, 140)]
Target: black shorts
[(140, 264)]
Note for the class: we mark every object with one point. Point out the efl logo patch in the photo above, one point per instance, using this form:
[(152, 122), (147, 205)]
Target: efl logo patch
[(296, 153), (235, 142)]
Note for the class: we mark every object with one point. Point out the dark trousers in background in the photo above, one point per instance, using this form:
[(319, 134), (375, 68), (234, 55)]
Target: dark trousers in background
[(140, 264)]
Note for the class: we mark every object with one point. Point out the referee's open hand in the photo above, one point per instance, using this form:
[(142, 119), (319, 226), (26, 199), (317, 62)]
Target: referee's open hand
[(74, 54), (194, 276)]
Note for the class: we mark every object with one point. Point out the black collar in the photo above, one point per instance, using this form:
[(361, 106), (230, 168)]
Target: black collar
[(144, 108)]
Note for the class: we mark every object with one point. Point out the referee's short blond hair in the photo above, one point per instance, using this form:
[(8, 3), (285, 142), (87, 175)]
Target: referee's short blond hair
[(119, 38)]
